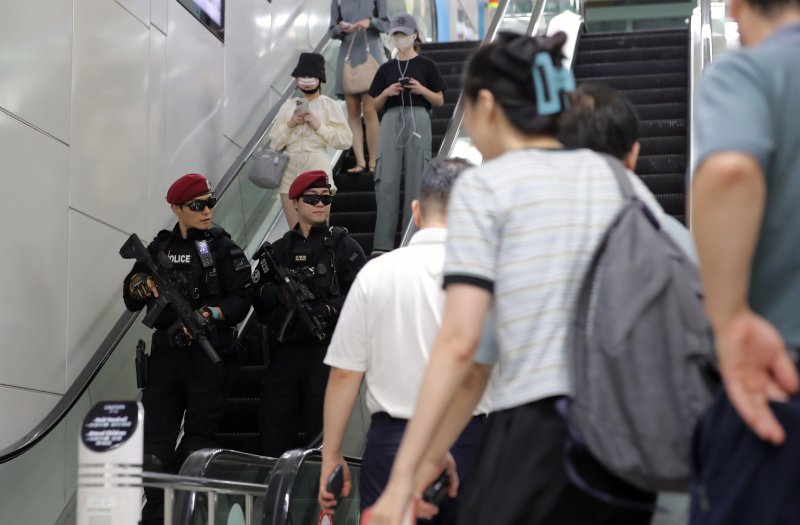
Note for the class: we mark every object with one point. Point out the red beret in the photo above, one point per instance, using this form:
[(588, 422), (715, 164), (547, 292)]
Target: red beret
[(309, 179), (187, 188)]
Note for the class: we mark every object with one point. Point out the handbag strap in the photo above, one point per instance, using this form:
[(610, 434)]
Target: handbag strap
[(353, 41)]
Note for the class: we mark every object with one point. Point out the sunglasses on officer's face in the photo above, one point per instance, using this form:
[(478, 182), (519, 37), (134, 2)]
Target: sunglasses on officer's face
[(314, 199), (200, 205)]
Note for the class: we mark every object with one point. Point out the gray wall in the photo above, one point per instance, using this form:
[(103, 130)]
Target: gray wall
[(102, 104)]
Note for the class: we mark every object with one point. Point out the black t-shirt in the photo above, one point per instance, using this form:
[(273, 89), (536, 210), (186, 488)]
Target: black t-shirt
[(420, 68)]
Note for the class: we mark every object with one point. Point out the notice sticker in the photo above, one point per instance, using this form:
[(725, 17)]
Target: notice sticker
[(108, 425)]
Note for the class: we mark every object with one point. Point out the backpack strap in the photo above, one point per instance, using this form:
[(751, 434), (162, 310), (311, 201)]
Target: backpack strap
[(621, 174)]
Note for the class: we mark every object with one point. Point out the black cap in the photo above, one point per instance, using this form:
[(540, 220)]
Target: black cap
[(310, 65)]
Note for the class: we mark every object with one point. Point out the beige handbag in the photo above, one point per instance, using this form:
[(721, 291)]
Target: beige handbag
[(358, 79)]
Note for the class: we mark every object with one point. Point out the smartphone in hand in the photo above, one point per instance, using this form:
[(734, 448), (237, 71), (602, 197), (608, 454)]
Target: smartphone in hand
[(335, 482), (302, 104), (437, 491)]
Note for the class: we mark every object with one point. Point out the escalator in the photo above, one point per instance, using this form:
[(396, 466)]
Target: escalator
[(652, 69)]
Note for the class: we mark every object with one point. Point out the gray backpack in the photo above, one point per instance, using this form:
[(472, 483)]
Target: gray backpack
[(642, 357)]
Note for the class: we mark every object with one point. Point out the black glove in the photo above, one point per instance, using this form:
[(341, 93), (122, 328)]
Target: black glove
[(140, 286), (320, 310), (270, 295)]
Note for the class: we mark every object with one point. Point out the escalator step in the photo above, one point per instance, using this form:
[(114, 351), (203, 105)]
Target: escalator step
[(665, 183), (453, 81), (451, 96), (632, 68), (451, 68), (346, 182), (355, 221), (463, 44), (657, 96), (663, 128), (447, 55), (597, 41), (439, 125), (662, 111), (673, 203), (604, 56), (657, 81), (663, 145), (354, 200), (661, 164), (445, 111)]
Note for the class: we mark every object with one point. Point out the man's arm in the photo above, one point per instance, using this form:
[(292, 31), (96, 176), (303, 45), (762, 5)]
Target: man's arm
[(340, 398), (729, 193), (450, 363)]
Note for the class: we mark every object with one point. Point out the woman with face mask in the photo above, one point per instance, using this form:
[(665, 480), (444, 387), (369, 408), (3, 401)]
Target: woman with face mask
[(306, 126), (359, 24), (407, 87)]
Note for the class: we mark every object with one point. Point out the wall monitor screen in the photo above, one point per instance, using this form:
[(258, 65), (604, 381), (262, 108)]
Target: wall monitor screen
[(210, 13)]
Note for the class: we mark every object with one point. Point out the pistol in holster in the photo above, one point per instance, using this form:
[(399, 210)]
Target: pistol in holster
[(141, 365)]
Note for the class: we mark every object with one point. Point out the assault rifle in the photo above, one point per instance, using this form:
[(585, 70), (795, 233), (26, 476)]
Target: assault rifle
[(295, 295), (161, 271)]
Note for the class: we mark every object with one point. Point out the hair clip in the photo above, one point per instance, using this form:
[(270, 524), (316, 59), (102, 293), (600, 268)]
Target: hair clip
[(550, 84)]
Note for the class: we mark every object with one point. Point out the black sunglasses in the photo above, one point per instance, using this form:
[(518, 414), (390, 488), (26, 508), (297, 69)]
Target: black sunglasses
[(200, 205), (314, 199)]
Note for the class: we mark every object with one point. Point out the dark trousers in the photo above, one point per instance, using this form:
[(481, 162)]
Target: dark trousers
[(182, 385), (519, 476), (740, 479), (292, 395), (383, 441)]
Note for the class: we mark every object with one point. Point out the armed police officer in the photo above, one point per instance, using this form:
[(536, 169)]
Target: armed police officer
[(301, 283), (212, 273)]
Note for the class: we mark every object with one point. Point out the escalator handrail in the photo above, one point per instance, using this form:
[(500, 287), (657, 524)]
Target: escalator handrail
[(126, 320), (454, 126), (196, 466), (706, 41), (278, 497)]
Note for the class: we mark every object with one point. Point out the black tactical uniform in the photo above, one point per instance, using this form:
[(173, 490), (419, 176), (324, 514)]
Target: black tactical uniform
[(293, 390), (181, 377)]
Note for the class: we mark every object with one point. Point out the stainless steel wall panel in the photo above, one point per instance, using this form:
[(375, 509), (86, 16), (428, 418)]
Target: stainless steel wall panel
[(158, 182), (33, 269), (37, 405), (249, 67), (194, 97), (95, 287), (138, 8), (319, 19), (33, 484), (36, 63), (158, 14), (108, 153)]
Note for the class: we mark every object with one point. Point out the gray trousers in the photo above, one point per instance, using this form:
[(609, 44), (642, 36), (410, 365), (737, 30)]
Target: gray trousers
[(404, 147)]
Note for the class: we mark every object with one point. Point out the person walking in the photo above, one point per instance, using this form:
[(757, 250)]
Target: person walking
[(385, 333), (523, 228), (746, 224)]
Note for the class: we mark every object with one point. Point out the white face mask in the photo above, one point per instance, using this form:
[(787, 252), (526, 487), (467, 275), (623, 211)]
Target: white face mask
[(307, 83), (403, 42)]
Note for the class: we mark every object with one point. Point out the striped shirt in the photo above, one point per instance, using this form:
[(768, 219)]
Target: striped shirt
[(524, 226)]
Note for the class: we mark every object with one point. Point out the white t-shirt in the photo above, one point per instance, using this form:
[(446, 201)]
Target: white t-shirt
[(524, 226), (389, 322)]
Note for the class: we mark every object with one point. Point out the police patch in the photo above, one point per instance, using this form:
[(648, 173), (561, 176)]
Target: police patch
[(256, 275), (240, 263)]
